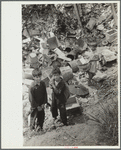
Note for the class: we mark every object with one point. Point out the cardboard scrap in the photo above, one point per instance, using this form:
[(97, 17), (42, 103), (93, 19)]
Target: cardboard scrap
[(61, 55)]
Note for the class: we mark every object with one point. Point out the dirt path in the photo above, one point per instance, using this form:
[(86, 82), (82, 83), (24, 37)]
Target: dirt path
[(83, 133)]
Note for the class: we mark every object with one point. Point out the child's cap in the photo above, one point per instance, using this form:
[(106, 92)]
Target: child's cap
[(36, 72), (56, 71)]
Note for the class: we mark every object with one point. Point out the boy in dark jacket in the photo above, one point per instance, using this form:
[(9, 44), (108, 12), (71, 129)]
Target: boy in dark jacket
[(37, 98), (58, 96)]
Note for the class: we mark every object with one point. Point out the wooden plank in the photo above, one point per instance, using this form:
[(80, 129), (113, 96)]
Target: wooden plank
[(77, 15), (114, 13)]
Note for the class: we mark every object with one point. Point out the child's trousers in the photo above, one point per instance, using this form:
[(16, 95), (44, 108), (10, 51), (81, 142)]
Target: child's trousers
[(62, 109), (40, 115)]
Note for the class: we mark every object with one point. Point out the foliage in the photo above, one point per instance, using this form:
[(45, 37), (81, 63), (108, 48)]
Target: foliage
[(107, 116)]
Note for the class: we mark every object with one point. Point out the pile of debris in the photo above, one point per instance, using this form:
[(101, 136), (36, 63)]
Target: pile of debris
[(73, 53)]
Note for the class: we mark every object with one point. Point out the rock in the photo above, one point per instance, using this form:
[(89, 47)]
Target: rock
[(100, 27)]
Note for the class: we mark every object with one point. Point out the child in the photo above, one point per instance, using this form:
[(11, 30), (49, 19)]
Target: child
[(58, 97), (37, 98)]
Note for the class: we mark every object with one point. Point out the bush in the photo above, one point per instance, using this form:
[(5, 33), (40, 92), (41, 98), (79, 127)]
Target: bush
[(107, 106), (109, 121)]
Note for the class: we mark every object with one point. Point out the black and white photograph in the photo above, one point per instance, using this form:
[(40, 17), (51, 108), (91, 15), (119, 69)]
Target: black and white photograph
[(70, 74)]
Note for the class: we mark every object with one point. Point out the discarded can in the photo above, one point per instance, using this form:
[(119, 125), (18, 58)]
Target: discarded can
[(33, 58), (66, 73), (74, 65), (72, 55), (68, 49), (53, 42)]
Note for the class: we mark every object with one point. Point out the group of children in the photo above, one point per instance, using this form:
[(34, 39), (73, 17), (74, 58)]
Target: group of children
[(38, 98)]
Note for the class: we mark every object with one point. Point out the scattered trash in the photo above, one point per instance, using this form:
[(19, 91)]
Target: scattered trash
[(61, 54), (72, 55), (99, 76), (92, 22), (74, 65), (83, 100), (72, 104), (27, 82), (71, 47), (111, 36), (53, 43), (108, 55), (81, 44), (27, 74), (66, 73), (82, 90), (26, 40)]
